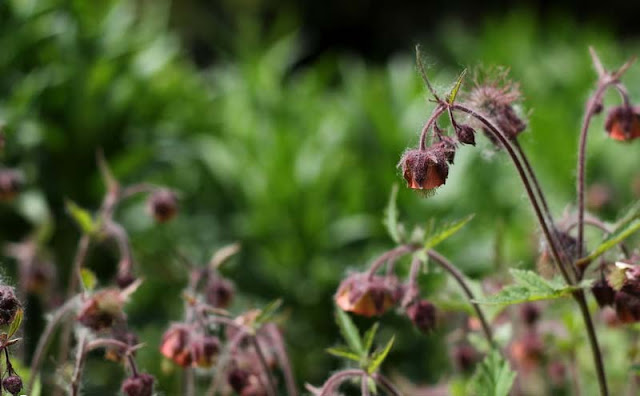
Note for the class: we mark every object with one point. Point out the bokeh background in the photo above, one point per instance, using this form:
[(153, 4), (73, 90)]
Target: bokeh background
[(281, 124)]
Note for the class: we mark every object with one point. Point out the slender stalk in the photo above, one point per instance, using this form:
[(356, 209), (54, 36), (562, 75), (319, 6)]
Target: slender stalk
[(364, 385), (527, 184), (427, 127), (590, 111), (77, 370), (386, 384), (218, 377), (74, 278), (271, 389), (457, 275), (45, 338), (578, 295), (189, 382), (283, 359), (389, 255), (338, 378)]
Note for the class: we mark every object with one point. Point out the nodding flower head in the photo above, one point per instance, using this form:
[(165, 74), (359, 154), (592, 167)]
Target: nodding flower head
[(219, 291), (495, 98), (138, 385), (604, 294), (163, 205), (176, 344), (426, 169), (623, 123), (12, 384), (9, 305), (530, 313), (423, 315), (102, 310), (368, 295), (10, 184)]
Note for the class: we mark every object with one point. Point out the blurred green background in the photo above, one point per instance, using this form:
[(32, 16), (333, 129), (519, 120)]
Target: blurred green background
[(283, 144)]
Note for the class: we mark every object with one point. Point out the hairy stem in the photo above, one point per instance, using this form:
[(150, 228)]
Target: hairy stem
[(390, 255), (386, 384), (338, 378), (457, 275), (427, 127), (283, 359), (45, 338), (77, 370), (593, 340), (272, 390), (364, 385)]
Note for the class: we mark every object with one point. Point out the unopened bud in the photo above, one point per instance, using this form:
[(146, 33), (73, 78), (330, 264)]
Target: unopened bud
[(12, 384)]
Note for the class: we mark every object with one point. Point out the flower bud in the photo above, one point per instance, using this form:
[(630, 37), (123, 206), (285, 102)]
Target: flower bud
[(204, 350), (10, 184), (163, 205), (465, 357), (368, 295), (530, 313), (12, 384), (102, 310), (466, 134), (603, 292), (176, 344), (219, 292), (238, 379), (623, 123), (139, 385), (9, 305), (424, 169), (627, 305), (423, 315)]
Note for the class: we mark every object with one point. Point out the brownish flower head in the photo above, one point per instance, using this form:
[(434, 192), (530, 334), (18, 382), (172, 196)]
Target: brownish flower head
[(627, 305), (425, 169), (623, 123), (12, 384), (465, 357), (466, 134), (603, 292), (102, 310), (238, 379), (495, 98), (10, 184), (9, 305), (130, 338), (528, 350), (204, 350), (140, 385), (423, 315), (163, 205), (176, 344), (368, 296), (530, 313), (219, 292)]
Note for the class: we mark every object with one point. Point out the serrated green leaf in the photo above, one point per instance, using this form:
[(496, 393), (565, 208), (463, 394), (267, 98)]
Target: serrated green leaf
[(445, 232), (493, 377), (391, 216), (350, 332), (89, 279), (621, 233), (82, 217), (530, 286), (267, 312), (15, 324), (344, 352), (369, 336), (456, 88), (378, 357)]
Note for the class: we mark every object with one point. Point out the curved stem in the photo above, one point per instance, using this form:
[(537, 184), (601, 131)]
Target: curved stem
[(523, 176), (389, 255), (77, 370), (386, 384), (216, 380), (593, 340), (590, 111), (45, 338), (425, 130), (283, 358), (271, 389), (457, 275), (338, 378), (364, 385)]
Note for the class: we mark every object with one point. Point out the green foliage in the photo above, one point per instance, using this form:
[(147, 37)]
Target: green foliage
[(391, 217), (15, 324), (456, 88), (82, 217), (530, 286), (493, 377), (445, 231), (88, 278), (350, 333)]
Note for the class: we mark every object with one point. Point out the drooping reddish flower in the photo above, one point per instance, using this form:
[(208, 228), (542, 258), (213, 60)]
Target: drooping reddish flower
[(368, 295), (102, 309), (10, 184), (139, 385), (423, 315), (163, 205), (424, 169), (623, 123), (176, 344)]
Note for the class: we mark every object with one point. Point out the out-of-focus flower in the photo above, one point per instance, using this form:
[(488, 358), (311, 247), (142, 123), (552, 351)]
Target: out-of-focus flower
[(219, 292), (623, 123), (163, 205), (102, 309), (9, 305), (176, 344), (139, 385), (423, 315), (368, 295), (10, 184)]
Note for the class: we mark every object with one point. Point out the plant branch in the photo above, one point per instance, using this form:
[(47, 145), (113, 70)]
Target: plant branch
[(271, 389), (77, 370)]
